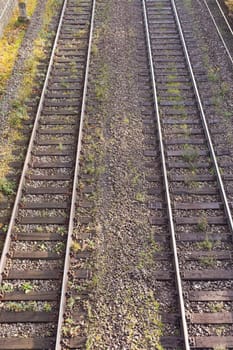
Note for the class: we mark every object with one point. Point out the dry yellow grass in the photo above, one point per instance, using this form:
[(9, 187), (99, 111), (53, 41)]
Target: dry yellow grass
[(10, 44), (229, 4), (18, 112)]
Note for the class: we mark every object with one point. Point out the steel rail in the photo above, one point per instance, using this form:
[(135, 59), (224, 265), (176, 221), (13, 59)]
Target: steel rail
[(224, 16), (218, 30), (204, 121), (74, 192), (166, 184), (28, 155)]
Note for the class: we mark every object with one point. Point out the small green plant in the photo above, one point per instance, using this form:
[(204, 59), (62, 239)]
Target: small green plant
[(60, 146), (94, 50), (75, 247), (59, 247), (27, 287), (6, 288), (90, 244), (81, 33), (90, 157), (13, 306), (100, 170), (17, 307), (7, 187), (207, 261), (39, 229), (61, 230), (42, 247), (70, 303), (159, 347), (31, 306), (216, 307), (220, 330), (213, 74), (185, 129), (190, 154), (90, 169), (173, 91), (47, 307), (202, 223), (136, 179), (216, 100), (140, 197), (227, 114), (206, 244), (69, 329), (224, 89), (5, 228)]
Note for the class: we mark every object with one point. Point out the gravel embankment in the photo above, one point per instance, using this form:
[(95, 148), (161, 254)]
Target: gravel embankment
[(123, 307)]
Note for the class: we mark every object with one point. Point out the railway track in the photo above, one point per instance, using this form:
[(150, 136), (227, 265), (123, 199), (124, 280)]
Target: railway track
[(195, 210), (222, 25), (36, 250)]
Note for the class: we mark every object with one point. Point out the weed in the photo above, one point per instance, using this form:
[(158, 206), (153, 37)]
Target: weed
[(202, 223), (173, 91), (59, 247), (69, 329), (13, 306), (190, 154), (213, 74), (136, 179), (227, 114), (89, 244), (101, 87), (224, 89), (216, 100), (100, 170), (61, 231), (75, 247), (94, 50), (171, 76), (70, 302), (207, 261), (60, 146), (7, 187), (140, 197), (47, 307), (27, 287), (81, 33), (220, 347), (185, 129), (6, 288), (90, 169), (42, 247), (220, 331), (5, 228), (216, 307), (206, 244), (18, 307), (90, 157)]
